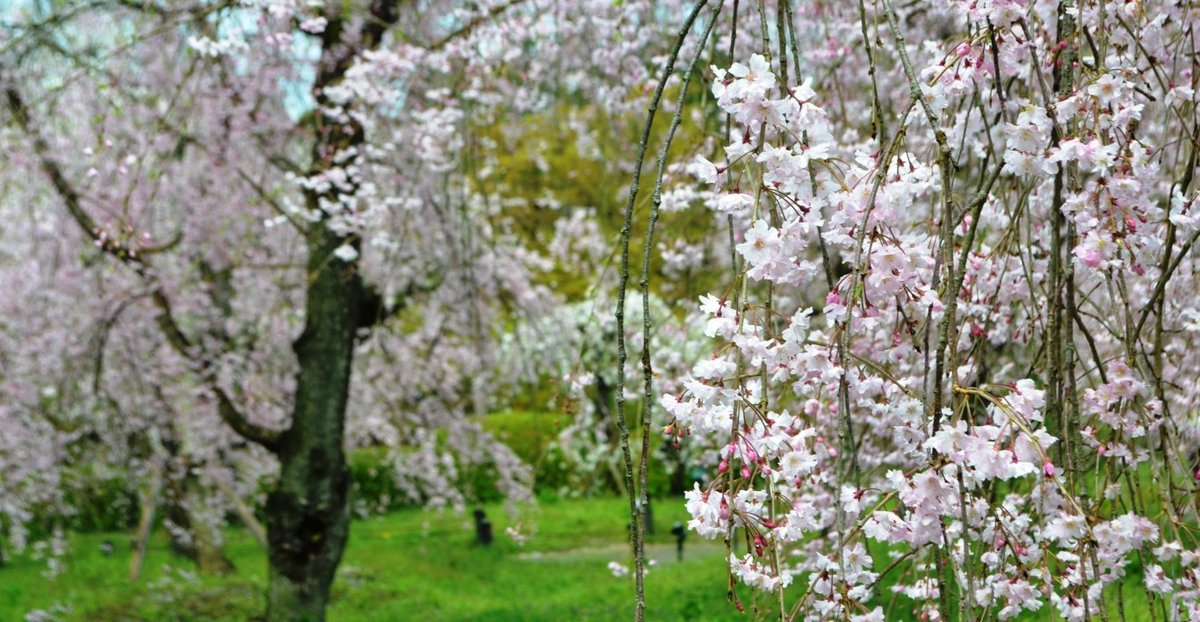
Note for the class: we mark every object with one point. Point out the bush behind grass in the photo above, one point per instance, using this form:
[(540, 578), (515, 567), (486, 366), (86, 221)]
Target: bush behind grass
[(106, 502)]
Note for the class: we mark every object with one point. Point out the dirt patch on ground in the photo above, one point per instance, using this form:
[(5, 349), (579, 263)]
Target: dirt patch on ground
[(661, 553)]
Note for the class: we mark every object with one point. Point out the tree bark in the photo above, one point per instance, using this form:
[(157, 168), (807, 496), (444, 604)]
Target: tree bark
[(149, 502), (246, 515), (209, 556), (308, 512), (202, 543)]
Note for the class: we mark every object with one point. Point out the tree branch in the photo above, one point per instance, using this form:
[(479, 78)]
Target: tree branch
[(470, 26), (376, 310), (167, 324)]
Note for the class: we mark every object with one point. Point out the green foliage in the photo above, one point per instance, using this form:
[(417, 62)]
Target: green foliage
[(531, 434), (103, 503), (545, 167), (372, 484)]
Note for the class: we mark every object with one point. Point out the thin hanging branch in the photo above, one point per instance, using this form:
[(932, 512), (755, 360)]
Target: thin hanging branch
[(647, 323), (623, 284), (946, 166)]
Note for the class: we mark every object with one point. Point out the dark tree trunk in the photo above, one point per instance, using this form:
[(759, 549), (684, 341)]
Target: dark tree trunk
[(679, 478), (308, 514), (603, 404)]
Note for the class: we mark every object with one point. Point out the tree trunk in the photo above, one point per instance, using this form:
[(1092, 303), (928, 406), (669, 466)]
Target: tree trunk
[(203, 546), (245, 514), (210, 557), (149, 501), (308, 513)]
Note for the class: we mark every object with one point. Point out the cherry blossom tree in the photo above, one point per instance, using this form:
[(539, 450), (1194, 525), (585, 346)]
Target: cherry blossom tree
[(955, 348), (951, 336), (265, 217)]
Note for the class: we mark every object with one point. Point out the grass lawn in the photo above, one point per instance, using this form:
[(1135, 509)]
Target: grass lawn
[(415, 565), (408, 565)]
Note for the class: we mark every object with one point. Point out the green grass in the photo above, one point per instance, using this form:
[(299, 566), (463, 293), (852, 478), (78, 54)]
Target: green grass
[(416, 565), (408, 565)]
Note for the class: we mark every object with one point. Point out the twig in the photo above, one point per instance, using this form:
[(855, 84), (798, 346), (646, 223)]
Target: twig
[(623, 278)]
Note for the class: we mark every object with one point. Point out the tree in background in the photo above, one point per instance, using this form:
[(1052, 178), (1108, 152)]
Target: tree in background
[(258, 212)]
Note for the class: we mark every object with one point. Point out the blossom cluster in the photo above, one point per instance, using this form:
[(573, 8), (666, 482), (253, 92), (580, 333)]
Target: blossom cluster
[(958, 337)]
